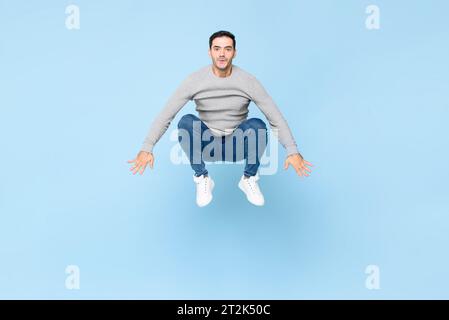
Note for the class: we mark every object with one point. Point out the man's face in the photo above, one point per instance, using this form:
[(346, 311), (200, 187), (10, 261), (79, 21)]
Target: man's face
[(222, 52)]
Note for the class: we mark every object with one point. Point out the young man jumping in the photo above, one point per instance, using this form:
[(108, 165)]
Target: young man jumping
[(222, 92)]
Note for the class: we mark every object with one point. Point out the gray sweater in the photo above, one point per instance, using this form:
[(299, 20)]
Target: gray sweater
[(222, 104)]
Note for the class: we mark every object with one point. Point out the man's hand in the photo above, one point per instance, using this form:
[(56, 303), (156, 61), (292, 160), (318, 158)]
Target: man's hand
[(140, 162), (298, 163)]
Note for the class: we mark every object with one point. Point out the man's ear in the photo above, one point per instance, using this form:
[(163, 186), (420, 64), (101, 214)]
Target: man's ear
[(208, 51), (235, 53)]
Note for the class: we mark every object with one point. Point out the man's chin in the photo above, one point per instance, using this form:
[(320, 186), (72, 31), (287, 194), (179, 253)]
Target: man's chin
[(222, 67)]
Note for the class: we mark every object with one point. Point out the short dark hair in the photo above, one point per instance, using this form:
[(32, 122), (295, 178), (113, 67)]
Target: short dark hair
[(221, 33)]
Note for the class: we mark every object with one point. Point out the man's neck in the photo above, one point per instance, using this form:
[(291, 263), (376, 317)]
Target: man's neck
[(222, 73)]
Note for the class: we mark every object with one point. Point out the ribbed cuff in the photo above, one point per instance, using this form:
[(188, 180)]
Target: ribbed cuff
[(291, 150), (147, 147)]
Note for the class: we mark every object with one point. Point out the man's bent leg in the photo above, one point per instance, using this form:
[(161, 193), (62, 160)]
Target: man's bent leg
[(254, 144), (191, 142)]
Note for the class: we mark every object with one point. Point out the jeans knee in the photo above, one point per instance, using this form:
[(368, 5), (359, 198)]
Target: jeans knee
[(256, 124), (186, 121)]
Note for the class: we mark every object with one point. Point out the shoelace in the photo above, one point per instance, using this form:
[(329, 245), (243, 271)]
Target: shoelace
[(205, 184), (252, 184), (206, 181)]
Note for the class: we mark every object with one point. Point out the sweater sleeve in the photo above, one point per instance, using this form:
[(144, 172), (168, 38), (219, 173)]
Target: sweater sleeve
[(277, 122), (161, 123)]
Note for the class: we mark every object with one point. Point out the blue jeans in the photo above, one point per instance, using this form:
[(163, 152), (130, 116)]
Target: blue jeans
[(248, 141)]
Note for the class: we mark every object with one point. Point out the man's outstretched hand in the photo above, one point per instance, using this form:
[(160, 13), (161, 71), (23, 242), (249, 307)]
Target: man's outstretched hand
[(141, 161), (298, 163)]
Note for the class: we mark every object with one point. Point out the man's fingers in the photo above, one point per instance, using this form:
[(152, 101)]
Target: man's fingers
[(303, 170), (140, 166), (142, 169), (286, 163), (136, 168), (308, 163)]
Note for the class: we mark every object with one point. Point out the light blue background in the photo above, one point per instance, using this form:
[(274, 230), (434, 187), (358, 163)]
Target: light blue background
[(369, 108)]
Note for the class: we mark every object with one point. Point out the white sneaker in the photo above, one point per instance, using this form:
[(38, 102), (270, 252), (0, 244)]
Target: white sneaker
[(250, 187), (204, 186)]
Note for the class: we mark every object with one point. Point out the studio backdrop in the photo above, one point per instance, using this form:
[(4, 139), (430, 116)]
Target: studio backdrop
[(362, 84)]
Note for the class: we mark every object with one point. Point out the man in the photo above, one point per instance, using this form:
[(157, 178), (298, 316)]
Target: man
[(222, 92)]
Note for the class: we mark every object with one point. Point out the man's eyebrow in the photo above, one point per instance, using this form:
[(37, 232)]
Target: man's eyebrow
[(220, 47)]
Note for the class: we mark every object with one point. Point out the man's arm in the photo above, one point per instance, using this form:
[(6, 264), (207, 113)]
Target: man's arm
[(160, 125), (277, 122)]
